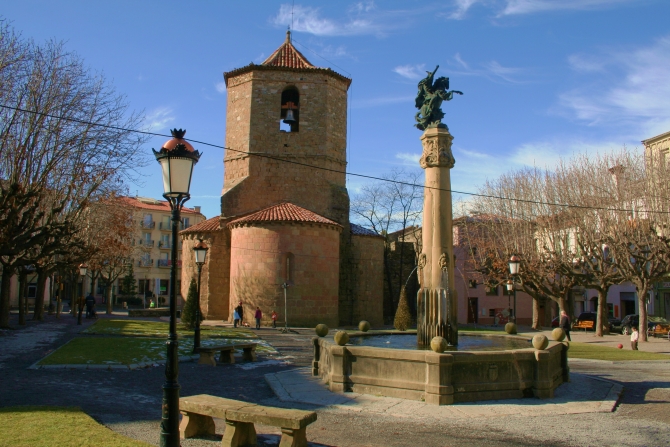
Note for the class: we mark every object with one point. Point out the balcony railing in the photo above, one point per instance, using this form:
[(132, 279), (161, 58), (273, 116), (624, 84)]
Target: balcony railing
[(146, 243), (164, 263), (147, 224), (164, 245), (145, 263), (167, 226)]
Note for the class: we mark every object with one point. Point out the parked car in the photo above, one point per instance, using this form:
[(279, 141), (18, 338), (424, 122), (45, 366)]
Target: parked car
[(633, 320), (614, 323)]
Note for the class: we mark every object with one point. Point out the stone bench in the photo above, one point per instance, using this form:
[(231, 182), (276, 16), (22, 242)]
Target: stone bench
[(227, 353), (198, 411)]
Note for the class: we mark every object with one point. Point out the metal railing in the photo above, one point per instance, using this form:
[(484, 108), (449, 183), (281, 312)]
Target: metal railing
[(145, 263), (146, 243), (149, 225)]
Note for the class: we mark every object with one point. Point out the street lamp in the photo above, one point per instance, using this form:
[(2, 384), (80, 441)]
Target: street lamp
[(286, 329), (82, 274), (200, 251), (177, 158), (514, 263)]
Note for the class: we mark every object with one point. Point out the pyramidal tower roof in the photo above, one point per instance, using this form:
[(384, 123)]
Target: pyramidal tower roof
[(288, 56)]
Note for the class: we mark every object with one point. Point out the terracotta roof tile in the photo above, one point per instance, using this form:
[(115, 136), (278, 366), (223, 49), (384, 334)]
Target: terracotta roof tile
[(154, 205), (284, 212), (212, 224), (287, 56)]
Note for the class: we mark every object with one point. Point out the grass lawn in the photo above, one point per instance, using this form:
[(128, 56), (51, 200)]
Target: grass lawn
[(595, 352), (141, 342), (56, 427), (140, 328)]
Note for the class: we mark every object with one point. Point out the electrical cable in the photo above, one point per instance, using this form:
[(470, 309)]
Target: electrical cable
[(337, 171)]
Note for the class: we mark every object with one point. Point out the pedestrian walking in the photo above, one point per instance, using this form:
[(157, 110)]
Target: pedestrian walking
[(258, 315), (274, 319), (238, 316), (90, 305), (565, 324), (633, 339)]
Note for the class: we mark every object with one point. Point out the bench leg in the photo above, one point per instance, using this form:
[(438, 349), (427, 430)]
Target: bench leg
[(293, 437), (239, 434), (193, 424), (207, 358), (249, 354), (227, 356)]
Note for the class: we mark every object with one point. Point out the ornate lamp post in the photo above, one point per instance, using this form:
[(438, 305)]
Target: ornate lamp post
[(200, 251), (80, 302), (514, 263), (177, 158)]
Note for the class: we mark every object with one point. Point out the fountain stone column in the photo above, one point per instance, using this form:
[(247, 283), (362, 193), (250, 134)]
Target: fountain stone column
[(437, 303)]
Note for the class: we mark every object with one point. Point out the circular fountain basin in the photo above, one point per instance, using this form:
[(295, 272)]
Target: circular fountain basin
[(465, 342), (481, 367)]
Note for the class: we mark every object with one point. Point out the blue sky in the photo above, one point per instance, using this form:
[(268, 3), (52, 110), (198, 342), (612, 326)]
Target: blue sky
[(541, 78)]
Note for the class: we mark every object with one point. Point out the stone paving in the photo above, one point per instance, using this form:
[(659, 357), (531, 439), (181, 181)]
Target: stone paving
[(129, 401)]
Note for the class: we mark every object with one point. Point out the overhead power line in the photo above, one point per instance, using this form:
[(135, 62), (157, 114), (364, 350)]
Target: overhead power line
[(337, 171)]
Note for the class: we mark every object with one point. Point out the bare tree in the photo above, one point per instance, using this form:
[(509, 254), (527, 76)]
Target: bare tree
[(61, 147)]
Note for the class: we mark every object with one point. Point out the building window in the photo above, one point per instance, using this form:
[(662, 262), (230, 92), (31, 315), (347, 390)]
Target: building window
[(492, 290), (290, 101), (289, 268), (32, 290), (163, 287)]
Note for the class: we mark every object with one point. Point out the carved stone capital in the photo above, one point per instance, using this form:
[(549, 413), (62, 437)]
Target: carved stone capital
[(437, 149)]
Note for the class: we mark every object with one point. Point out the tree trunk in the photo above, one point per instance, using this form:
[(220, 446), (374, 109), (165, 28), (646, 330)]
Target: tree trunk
[(642, 305), (108, 292), (7, 273), (73, 294), (400, 278), (601, 316), (23, 284), (562, 306), (42, 276), (536, 314), (51, 295)]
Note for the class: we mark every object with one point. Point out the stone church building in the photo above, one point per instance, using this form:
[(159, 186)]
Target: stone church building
[(285, 206)]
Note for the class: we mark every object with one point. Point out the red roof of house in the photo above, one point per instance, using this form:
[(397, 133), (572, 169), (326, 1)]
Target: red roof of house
[(284, 212), (287, 56), (212, 224), (154, 205)]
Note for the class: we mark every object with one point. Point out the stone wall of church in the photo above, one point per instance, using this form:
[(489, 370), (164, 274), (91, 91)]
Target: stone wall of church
[(367, 254), (215, 277), (258, 267), (253, 125)]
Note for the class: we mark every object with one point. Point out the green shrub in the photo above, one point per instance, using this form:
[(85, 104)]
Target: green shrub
[(188, 312), (403, 317)]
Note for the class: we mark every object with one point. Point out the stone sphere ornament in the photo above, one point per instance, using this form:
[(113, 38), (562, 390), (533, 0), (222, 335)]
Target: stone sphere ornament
[(558, 334), (341, 338), (510, 328), (439, 344), (321, 330), (363, 326), (620, 346), (540, 342)]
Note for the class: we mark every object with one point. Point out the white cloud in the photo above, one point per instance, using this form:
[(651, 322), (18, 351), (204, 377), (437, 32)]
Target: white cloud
[(462, 7), (408, 159), (220, 87), (159, 118), (492, 70), (411, 71), (638, 96), (517, 7), (308, 20)]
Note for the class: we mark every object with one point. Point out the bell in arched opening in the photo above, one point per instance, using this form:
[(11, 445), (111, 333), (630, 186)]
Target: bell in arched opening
[(290, 108)]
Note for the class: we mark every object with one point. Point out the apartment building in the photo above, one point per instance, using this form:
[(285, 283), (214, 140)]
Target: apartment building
[(152, 260)]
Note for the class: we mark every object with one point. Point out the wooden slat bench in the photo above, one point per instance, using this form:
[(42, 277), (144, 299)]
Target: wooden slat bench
[(227, 353), (586, 325), (240, 418)]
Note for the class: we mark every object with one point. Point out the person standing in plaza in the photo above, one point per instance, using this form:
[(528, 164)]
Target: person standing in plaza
[(239, 315), (633, 339), (274, 319), (565, 324), (258, 315), (90, 305)]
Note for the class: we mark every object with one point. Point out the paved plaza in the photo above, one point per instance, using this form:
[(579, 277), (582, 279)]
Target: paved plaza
[(606, 403)]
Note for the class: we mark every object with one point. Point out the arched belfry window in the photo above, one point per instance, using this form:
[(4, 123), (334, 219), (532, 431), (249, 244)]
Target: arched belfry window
[(290, 110)]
